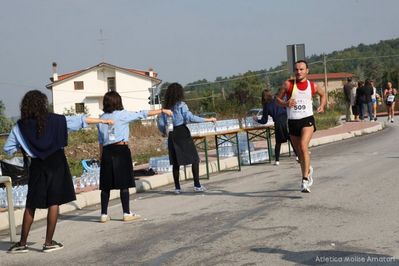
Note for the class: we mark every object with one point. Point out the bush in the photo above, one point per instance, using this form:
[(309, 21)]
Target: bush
[(327, 120), (88, 135), (75, 166), (337, 101)]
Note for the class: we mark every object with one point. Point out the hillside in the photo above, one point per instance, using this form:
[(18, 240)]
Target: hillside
[(237, 93)]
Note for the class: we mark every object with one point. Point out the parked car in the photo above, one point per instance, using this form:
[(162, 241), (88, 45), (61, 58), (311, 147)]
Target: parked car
[(258, 112)]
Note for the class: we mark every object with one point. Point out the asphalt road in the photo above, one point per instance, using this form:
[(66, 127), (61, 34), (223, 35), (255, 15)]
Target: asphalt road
[(253, 217)]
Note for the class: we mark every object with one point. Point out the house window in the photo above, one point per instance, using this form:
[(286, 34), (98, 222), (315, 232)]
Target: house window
[(79, 108), (78, 85), (111, 84)]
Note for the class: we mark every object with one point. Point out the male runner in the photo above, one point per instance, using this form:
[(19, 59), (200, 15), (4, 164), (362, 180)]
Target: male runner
[(301, 123)]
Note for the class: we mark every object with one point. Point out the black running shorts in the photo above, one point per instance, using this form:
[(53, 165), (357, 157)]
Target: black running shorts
[(295, 125)]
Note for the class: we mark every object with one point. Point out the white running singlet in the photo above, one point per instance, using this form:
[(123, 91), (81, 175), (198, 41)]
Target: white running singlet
[(304, 103)]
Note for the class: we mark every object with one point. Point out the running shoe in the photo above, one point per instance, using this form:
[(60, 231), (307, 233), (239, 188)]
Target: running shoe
[(104, 218), (277, 163), (199, 189), (18, 248), (52, 247), (177, 191), (305, 188), (392, 120), (130, 216)]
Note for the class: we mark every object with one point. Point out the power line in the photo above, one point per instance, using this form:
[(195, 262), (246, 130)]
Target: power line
[(237, 78)]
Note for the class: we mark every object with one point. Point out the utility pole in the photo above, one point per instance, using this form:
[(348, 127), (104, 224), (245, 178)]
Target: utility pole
[(213, 100), (325, 75)]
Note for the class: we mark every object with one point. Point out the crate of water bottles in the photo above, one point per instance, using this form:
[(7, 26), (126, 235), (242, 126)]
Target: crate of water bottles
[(249, 122), (18, 196), (227, 149), (160, 164), (227, 125), (89, 180), (256, 156), (200, 129)]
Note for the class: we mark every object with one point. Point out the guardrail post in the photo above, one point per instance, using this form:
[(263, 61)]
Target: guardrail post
[(11, 217)]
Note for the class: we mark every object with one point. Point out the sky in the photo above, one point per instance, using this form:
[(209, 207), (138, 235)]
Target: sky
[(183, 40)]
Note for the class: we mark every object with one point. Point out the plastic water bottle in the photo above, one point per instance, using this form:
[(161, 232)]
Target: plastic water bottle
[(169, 124), (111, 133)]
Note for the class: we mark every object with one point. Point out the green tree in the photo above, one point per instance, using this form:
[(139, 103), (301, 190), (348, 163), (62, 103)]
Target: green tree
[(5, 122)]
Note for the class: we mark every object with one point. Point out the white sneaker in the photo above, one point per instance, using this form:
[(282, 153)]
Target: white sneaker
[(277, 163), (130, 216), (310, 176), (199, 189), (177, 191), (104, 218), (305, 188), (392, 120)]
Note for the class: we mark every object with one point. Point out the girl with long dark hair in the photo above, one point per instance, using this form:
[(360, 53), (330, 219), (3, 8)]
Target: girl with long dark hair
[(279, 115), (43, 136), (116, 170), (181, 146)]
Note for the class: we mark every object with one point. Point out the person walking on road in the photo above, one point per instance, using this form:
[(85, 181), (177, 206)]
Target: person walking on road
[(374, 99), (116, 171), (301, 123), (389, 96), (347, 92), (355, 108), (279, 115), (181, 146), (43, 136)]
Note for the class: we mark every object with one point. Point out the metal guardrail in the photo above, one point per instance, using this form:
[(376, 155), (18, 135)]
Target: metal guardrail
[(11, 217)]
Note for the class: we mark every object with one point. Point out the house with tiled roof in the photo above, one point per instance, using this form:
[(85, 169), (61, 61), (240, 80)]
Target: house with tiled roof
[(334, 80), (82, 91)]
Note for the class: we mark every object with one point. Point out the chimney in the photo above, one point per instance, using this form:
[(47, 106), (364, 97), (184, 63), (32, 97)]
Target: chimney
[(151, 72), (55, 75)]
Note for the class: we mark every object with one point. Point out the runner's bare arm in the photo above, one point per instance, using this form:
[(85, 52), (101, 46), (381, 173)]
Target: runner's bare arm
[(282, 92), (323, 99)]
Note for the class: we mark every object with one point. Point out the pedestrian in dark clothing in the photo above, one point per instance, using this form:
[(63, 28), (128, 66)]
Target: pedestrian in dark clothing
[(279, 115), (43, 136), (347, 92), (181, 146), (363, 94), (116, 171)]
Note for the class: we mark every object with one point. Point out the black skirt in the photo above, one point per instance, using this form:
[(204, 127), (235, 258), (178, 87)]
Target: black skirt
[(281, 129), (181, 147), (50, 182), (116, 170)]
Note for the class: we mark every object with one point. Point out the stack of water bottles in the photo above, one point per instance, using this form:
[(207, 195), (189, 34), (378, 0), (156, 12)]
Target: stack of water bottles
[(18, 194), (200, 129), (256, 156), (160, 164), (89, 178), (227, 125), (227, 149), (249, 122)]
